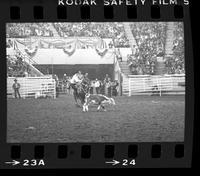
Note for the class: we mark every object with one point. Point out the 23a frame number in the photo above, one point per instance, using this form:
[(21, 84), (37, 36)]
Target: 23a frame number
[(33, 163)]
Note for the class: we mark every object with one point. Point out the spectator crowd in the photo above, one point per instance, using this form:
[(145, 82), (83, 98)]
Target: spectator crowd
[(150, 40), (16, 67), (16, 30), (104, 30), (176, 63), (140, 66)]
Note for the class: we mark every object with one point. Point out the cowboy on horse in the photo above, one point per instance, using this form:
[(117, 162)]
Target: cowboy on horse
[(80, 84)]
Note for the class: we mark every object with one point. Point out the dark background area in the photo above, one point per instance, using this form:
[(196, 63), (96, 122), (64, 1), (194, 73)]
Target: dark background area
[(94, 71), (196, 39)]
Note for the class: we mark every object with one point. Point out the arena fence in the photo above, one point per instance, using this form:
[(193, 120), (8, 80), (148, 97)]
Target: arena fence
[(35, 87), (154, 84)]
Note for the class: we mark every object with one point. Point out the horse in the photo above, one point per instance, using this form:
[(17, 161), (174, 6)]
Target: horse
[(79, 92)]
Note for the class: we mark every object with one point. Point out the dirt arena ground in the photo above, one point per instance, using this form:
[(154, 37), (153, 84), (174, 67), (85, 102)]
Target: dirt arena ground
[(132, 119)]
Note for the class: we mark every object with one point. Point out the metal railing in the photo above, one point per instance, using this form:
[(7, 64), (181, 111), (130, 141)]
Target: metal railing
[(30, 86), (159, 84)]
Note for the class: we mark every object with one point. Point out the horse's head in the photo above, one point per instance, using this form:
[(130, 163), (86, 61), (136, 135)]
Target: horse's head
[(83, 87), (79, 88)]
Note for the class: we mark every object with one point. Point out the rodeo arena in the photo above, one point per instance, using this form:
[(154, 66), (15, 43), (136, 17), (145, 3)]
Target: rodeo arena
[(95, 82)]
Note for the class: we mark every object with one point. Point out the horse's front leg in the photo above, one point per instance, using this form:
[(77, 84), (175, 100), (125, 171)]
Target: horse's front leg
[(75, 97), (83, 101), (85, 105)]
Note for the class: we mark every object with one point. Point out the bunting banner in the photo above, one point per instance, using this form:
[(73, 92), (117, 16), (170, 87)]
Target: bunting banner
[(44, 45), (27, 42), (101, 53), (58, 44), (101, 48), (69, 46), (31, 51), (70, 49)]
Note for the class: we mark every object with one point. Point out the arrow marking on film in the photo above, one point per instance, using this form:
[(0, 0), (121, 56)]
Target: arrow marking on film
[(13, 162), (113, 162)]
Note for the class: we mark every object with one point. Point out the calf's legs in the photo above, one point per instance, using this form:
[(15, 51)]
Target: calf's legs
[(85, 107), (101, 107)]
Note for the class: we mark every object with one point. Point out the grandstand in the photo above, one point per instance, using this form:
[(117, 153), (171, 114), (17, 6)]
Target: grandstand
[(148, 49)]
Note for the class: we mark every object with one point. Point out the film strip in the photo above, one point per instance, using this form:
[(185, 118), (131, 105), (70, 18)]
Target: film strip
[(94, 154)]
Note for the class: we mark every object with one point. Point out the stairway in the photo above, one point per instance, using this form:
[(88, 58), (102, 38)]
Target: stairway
[(169, 39), (129, 34), (34, 71), (29, 62), (54, 31), (123, 65), (125, 68), (160, 67)]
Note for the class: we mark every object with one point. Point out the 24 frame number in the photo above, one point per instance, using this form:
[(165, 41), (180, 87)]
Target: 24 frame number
[(125, 162)]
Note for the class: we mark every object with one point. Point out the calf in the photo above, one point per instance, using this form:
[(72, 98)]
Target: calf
[(97, 99)]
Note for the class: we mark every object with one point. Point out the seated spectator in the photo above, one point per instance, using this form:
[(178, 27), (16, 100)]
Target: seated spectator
[(110, 45)]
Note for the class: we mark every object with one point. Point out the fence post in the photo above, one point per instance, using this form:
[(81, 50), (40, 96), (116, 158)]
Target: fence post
[(172, 83), (129, 86), (54, 89), (25, 88), (144, 85), (160, 87)]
